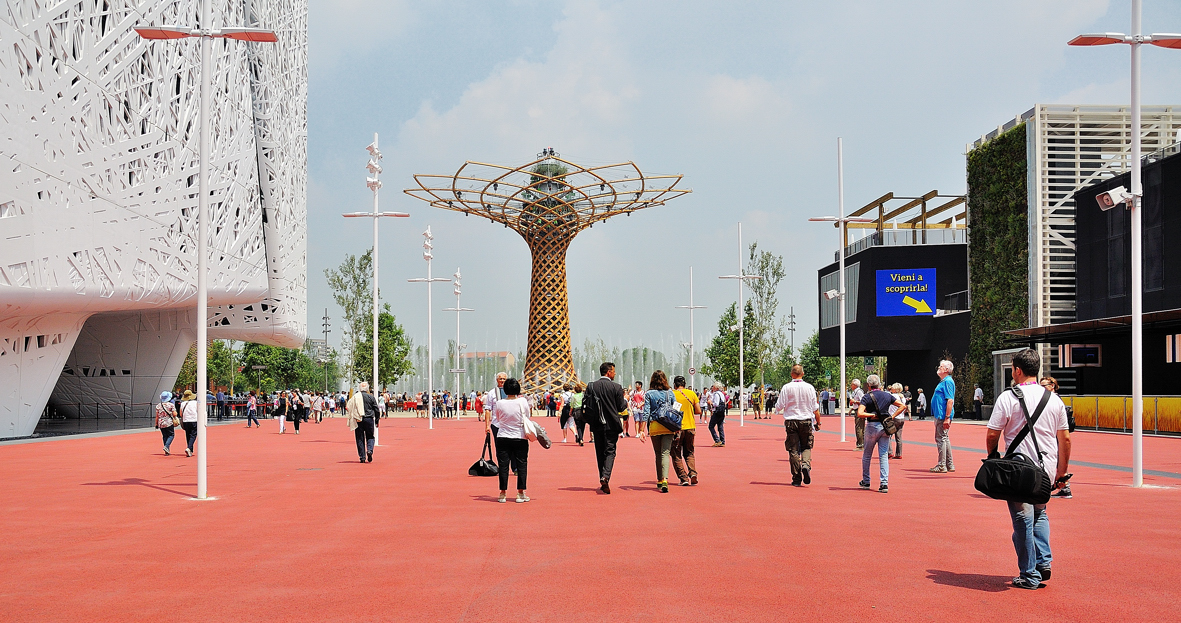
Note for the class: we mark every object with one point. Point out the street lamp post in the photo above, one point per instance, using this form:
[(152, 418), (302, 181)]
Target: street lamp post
[(458, 309), (327, 330), (207, 34), (840, 222), (691, 307), (427, 245), (374, 184), (1135, 40), (742, 278)]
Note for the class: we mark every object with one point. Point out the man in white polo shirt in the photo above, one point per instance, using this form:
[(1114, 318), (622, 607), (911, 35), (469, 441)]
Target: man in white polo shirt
[(797, 403), (1031, 525)]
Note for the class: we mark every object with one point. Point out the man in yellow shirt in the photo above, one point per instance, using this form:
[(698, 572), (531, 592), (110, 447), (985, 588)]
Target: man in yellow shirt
[(682, 450)]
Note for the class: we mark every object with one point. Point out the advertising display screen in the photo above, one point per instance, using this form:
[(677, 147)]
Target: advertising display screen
[(906, 292)]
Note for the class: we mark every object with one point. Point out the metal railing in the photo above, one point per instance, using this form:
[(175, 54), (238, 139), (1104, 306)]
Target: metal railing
[(905, 238), (1162, 414), (956, 301)]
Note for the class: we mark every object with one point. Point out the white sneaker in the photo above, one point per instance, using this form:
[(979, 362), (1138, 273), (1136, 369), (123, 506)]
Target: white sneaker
[(522, 499)]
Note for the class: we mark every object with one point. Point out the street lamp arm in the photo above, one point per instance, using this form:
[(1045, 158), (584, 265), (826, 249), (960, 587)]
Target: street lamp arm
[(159, 33), (1101, 38), (373, 215), (256, 35), (425, 280), (1166, 40)]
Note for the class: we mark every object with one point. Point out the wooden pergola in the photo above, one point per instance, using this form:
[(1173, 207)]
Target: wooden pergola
[(920, 218), (547, 201)]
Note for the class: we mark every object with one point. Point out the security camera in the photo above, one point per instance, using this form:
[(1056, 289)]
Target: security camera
[(831, 294), (1112, 198)]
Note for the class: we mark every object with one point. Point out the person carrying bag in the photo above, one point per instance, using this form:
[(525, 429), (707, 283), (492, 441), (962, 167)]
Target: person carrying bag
[(484, 467), (1016, 477)]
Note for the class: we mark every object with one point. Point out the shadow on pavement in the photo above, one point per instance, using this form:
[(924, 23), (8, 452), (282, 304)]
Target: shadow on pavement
[(141, 482), (974, 581)]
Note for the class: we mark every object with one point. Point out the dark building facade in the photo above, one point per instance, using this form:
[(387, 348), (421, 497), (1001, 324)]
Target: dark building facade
[(889, 315), (1097, 347)]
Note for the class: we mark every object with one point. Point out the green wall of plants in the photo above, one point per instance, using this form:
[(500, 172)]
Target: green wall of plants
[(998, 251)]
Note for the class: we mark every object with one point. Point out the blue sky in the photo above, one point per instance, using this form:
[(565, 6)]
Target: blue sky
[(745, 99)]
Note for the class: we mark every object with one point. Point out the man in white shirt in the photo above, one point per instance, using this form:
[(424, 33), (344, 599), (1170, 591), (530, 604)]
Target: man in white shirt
[(797, 403), (855, 396), (978, 402), (1031, 525)]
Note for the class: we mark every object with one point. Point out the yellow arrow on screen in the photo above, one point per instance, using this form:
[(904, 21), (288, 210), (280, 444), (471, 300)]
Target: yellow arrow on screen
[(920, 307)]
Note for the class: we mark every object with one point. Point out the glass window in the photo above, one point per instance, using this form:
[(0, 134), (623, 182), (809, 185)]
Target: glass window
[(830, 309)]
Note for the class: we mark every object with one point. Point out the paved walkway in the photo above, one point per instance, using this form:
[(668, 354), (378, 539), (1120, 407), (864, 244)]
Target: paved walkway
[(103, 529)]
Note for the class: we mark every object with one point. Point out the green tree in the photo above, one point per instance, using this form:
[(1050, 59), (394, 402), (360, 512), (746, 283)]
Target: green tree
[(722, 353), (393, 352), (824, 372), (223, 363), (187, 379), (767, 329), (352, 289)]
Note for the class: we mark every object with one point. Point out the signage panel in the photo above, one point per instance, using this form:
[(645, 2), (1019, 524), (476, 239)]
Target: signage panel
[(906, 292)]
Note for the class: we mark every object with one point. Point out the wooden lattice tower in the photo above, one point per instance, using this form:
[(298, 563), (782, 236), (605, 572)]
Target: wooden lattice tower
[(547, 201)]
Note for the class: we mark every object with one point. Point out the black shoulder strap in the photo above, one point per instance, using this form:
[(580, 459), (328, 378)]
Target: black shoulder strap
[(1029, 422)]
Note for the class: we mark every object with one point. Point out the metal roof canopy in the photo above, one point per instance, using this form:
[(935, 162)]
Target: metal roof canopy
[(1067, 331)]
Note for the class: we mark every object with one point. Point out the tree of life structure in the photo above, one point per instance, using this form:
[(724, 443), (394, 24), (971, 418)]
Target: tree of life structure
[(547, 201)]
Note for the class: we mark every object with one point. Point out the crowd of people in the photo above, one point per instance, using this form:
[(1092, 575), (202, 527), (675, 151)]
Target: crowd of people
[(666, 414)]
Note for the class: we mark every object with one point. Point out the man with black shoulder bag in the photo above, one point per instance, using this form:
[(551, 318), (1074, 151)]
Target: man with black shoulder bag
[(1037, 443), (874, 410), (601, 403)]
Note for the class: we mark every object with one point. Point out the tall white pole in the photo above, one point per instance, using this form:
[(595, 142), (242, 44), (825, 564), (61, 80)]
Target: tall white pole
[(202, 260), (375, 289), (376, 218), (1137, 283), (841, 259), (430, 352), (692, 343), (741, 328), (457, 357)]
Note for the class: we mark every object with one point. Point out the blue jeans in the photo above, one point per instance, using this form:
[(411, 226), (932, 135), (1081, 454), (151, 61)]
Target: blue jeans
[(717, 426), (250, 415), (168, 433), (1031, 538), (875, 436)]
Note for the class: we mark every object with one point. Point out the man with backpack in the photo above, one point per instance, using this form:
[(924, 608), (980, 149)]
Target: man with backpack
[(1049, 443), (874, 410)]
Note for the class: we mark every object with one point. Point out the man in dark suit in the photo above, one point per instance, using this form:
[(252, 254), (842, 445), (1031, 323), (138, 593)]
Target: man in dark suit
[(606, 401)]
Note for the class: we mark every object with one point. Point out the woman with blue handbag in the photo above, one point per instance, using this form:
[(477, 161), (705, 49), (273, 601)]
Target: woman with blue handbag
[(662, 416)]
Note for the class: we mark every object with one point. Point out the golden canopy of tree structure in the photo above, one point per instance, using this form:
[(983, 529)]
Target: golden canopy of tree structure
[(547, 201)]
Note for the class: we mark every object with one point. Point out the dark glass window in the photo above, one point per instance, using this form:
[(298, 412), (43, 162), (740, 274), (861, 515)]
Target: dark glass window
[(1154, 274), (1116, 265)]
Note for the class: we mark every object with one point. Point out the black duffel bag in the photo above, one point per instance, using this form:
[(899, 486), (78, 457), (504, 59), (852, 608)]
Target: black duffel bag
[(484, 467), (1016, 477)]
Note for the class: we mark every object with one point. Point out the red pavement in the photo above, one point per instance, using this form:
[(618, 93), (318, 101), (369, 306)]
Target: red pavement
[(103, 529)]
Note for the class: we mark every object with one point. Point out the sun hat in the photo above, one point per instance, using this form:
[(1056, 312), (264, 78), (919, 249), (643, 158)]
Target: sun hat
[(188, 395), (165, 396)]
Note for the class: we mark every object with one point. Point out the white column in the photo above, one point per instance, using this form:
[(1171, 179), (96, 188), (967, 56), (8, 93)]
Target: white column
[(841, 409), (741, 335), (202, 258), (1137, 276)]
